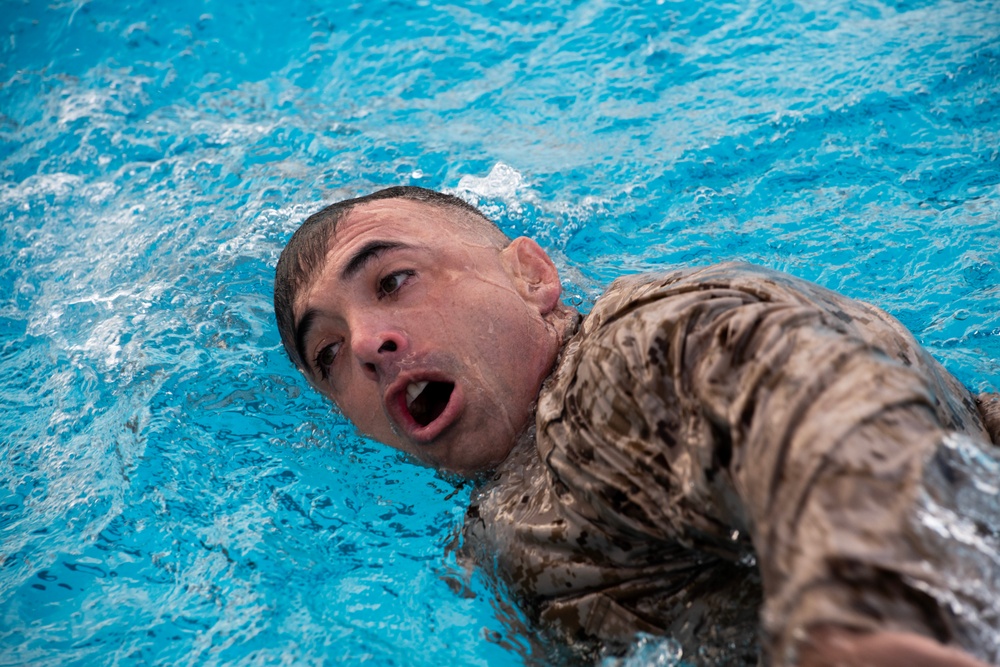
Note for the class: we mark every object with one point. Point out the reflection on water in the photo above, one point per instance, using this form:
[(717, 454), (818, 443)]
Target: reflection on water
[(649, 651)]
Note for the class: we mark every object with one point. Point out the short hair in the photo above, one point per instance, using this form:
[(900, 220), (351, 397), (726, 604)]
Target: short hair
[(306, 251)]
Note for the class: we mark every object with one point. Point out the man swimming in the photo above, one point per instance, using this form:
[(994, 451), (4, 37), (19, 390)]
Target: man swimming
[(727, 455)]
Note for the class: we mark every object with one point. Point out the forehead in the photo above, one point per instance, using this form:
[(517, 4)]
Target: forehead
[(410, 222), (399, 222), (402, 220), (391, 216)]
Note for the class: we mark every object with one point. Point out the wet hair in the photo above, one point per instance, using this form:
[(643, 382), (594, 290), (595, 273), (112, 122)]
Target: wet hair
[(306, 251)]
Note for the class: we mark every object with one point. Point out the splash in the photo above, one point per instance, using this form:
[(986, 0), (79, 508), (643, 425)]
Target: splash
[(649, 651), (503, 182)]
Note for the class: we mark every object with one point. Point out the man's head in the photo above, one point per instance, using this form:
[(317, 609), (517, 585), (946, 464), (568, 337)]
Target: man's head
[(428, 328)]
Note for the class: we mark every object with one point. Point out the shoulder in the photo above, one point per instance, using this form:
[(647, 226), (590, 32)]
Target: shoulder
[(761, 282), (672, 294)]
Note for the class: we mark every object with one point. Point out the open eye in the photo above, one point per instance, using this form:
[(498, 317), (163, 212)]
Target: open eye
[(326, 357), (389, 284)]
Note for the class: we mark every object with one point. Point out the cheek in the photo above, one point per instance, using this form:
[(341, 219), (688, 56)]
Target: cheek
[(520, 351), (364, 409)]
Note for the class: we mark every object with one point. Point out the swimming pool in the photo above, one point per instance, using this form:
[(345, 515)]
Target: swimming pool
[(170, 490)]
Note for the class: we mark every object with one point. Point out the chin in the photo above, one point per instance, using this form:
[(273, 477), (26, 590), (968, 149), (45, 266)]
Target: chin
[(485, 462), (470, 467)]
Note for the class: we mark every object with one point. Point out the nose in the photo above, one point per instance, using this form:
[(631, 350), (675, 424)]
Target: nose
[(376, 347)]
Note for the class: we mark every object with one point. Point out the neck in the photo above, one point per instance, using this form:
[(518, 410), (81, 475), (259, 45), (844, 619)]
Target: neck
[(563, 322)]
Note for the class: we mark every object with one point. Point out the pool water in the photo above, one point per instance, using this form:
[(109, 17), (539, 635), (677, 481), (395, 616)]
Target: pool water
[(171, 491)]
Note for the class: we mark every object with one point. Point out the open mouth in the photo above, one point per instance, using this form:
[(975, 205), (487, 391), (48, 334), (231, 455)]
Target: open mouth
[(426, 400)]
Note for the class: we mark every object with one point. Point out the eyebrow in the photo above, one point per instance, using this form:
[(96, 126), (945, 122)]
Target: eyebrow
[(302, 328), (367, 253)]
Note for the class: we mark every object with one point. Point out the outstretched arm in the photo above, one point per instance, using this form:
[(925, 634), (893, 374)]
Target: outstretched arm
[(759, 404), (841, 439)]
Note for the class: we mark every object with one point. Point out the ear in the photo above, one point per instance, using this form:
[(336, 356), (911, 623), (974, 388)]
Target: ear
[(533, 273)]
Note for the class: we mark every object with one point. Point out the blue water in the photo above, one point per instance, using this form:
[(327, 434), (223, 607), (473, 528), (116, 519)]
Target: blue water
[(172, 493)]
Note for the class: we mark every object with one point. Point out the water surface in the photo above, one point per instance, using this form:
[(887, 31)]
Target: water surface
[(171, 492)]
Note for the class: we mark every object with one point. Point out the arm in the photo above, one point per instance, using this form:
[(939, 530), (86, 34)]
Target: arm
[(759, 404), (835, 447)]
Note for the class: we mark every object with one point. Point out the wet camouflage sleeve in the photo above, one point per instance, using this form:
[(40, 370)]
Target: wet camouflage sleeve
[(697, 409)]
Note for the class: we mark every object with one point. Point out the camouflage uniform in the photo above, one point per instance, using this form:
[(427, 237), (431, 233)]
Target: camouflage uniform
[(728, 455)]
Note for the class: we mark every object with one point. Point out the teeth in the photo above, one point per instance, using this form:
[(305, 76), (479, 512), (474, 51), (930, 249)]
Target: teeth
[(413, 390)]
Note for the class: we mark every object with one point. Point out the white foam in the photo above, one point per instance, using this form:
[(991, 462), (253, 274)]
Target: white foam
[(34, 187), (503, 182)]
